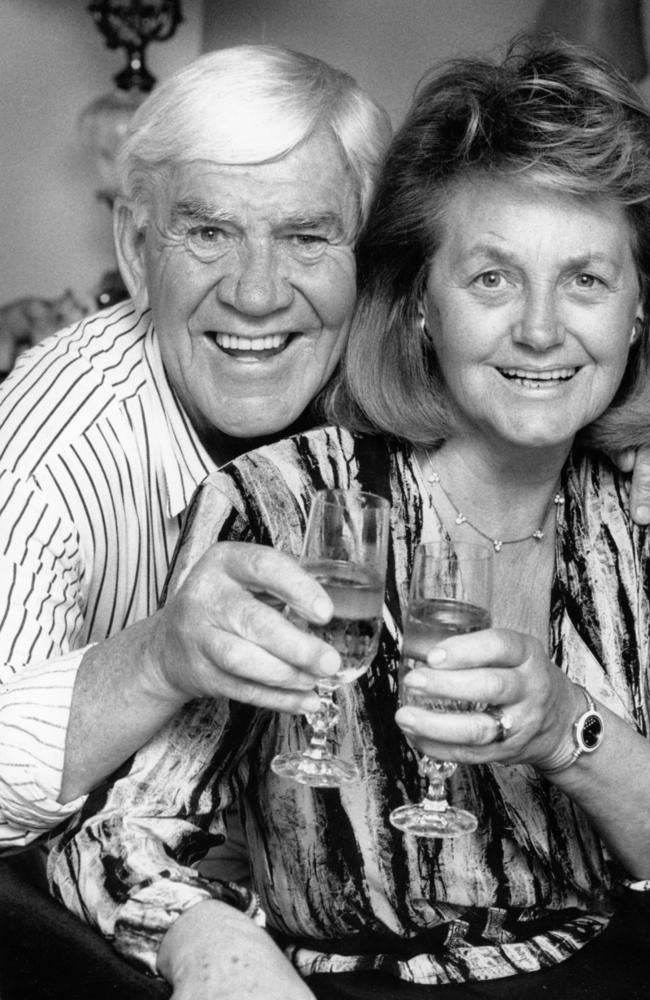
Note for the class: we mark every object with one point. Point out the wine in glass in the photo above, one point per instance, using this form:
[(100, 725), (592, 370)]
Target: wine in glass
[(450, 594), (345, 549)]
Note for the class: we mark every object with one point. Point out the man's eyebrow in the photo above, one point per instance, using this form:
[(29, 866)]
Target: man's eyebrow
[(197, 210)]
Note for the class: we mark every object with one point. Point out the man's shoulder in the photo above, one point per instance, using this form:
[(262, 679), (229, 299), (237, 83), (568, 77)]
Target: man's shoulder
[(69, 384)]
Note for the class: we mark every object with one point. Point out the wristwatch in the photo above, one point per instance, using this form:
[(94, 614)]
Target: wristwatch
[(588, 730)]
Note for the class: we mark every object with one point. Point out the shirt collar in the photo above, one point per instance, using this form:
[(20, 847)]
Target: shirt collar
[(182, 459)]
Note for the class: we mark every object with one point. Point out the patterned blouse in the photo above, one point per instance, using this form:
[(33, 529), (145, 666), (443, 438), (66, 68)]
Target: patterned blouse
[(340, 888)]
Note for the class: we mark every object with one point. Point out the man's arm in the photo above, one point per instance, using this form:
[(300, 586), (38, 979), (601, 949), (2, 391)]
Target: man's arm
[(122, 868), (212, 638), (638, 462)]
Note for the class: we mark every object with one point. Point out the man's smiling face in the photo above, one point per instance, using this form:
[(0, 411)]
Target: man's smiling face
[(250, 274)]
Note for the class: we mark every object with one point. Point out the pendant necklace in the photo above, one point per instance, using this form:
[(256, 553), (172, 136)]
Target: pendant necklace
[(497, 543)]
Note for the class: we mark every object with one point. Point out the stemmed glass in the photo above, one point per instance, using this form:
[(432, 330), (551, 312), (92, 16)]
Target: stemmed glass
[(450, 594), (345, 549)]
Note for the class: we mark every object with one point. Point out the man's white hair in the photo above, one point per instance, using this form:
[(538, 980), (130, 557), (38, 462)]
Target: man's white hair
[(250, 104)]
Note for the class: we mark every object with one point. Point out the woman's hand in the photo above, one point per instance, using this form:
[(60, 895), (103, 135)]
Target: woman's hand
[(214, 952), (510, 672)]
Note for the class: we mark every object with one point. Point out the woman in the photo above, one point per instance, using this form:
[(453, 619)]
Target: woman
[(499, 346)]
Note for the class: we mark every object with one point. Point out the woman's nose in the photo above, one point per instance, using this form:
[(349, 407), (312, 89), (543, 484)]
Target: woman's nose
[(539, 326), (255, 283)]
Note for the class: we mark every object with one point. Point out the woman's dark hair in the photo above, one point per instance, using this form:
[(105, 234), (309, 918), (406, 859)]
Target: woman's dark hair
[(551, 113)]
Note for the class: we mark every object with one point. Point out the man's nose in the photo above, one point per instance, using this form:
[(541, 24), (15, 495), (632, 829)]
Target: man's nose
[(256, 283), (539, 325)]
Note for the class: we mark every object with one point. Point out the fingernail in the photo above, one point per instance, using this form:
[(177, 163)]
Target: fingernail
[(322, 608), (311, 703), (436, 656), (330, 662), (642, 513), (406, 719), (415, 679)]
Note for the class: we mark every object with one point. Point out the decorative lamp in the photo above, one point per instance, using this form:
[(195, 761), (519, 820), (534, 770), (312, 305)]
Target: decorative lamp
[(130, 25)]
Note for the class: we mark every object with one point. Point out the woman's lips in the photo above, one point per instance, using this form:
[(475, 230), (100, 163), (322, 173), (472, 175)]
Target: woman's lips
[(532, 378)]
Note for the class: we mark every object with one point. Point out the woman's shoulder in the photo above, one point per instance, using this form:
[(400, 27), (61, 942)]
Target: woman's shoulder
[(597, 510), (331, 456)]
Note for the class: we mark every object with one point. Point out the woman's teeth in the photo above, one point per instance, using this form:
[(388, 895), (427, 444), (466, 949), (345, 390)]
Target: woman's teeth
[(270, 342), (536, 378)]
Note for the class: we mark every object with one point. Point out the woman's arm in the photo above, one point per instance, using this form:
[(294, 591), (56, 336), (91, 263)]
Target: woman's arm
[(510, 670)]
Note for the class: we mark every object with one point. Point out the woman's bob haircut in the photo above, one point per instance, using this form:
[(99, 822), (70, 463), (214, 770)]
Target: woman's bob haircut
[(551, 113), (245, 105)]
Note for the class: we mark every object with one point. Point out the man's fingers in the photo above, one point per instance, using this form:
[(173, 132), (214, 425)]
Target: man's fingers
[(640, 489), (264, 570), (257, 622)]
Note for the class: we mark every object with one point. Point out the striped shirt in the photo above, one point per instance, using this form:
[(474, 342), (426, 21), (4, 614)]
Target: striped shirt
[(341, 888), (97, 465)]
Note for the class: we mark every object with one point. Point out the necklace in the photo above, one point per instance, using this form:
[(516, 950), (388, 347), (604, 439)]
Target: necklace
[(497, 543)]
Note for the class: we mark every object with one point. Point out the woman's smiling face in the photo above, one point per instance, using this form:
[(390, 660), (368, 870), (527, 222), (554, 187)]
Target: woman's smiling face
[(531, 301)]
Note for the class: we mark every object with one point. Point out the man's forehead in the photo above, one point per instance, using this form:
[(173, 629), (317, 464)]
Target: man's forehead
[(293, 189)]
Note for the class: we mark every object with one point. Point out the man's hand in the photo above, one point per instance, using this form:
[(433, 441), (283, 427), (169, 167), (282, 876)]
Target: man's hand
[(214, 952), (638, 463), (215, 637), (223, 633)]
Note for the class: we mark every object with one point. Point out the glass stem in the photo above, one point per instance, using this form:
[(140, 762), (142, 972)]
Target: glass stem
[(436, 774), (322, 723)]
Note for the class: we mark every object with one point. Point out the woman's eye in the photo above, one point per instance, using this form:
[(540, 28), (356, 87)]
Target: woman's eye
[(490, 279), (587, 280)]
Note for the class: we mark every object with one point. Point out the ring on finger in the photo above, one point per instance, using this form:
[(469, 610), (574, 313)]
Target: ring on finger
[(503, 721)]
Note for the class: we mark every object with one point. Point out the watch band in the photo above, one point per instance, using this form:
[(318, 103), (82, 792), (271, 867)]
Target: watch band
[(587, 736)]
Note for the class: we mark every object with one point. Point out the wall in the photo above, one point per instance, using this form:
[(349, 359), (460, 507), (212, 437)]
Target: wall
[(54, 61), (385, 44)]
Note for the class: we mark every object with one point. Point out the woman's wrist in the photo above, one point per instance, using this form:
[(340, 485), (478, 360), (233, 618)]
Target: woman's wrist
[(585, 737)]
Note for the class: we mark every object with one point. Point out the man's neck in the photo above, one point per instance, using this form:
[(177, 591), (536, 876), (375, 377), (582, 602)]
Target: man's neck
[(223, 448)]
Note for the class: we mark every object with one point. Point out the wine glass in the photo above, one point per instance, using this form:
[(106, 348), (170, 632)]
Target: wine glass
[(450, 594), (345, 549)]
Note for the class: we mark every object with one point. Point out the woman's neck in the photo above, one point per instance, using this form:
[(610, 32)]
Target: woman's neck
[(507, 495)]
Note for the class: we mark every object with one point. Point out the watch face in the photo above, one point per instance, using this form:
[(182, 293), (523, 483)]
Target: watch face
[(592, 731)]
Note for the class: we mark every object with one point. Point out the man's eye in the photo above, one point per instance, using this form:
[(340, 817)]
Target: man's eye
[(307, 239), (208, 234)]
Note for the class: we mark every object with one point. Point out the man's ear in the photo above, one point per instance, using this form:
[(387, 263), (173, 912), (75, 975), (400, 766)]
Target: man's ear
[(129, 240)]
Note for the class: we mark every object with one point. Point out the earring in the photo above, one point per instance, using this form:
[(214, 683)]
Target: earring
[(636, 331)]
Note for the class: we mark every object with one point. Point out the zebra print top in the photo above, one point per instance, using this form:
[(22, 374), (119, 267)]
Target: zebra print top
[(342, 889)]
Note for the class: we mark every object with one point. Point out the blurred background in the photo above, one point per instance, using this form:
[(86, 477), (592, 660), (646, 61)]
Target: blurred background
[(57, 69)]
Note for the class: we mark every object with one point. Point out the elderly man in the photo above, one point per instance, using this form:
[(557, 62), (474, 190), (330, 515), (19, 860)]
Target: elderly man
[(245, 178)]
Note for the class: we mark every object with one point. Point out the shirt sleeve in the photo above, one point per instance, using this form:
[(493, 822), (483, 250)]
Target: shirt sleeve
[(125, 864), (41, 597), (34, 712)]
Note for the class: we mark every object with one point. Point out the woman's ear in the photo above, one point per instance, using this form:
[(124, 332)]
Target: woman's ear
[(637, 330), (129, 237)]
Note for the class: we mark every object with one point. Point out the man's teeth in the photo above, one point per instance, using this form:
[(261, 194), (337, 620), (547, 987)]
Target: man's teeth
[(550, 375), (270, 342)]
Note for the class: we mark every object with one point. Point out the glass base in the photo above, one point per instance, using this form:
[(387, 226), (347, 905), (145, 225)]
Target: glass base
[(422, 822), (318, 772)]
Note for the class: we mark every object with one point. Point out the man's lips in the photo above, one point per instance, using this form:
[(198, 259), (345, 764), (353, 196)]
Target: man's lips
[(538, 378), (252, 347)]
